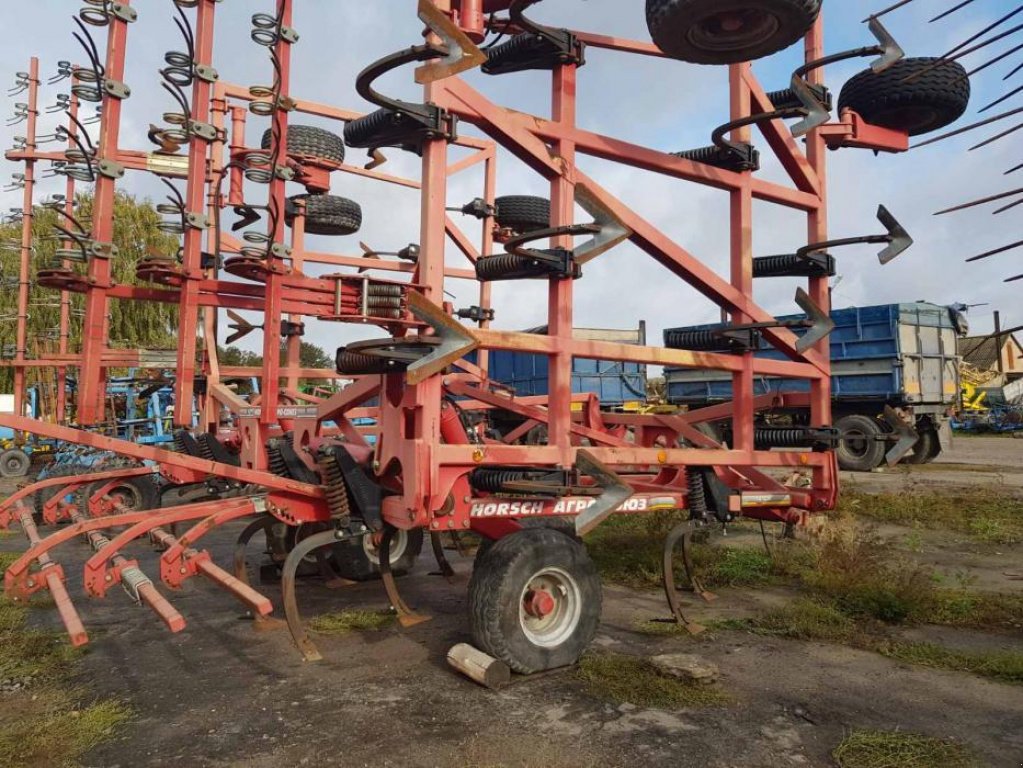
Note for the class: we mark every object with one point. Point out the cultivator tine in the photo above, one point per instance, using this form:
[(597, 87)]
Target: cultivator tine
[(908, 436), (463, 53), (407, 617), (53, 577), (241, 571), (681, 533), (288, 574), (437, 544), (139, 587), (900, 239), (616, 492), (891, 51), (821, 323), (456, 341), (612, 231)]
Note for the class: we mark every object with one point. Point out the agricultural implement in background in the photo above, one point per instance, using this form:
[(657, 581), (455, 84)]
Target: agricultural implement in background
[(301, 469)]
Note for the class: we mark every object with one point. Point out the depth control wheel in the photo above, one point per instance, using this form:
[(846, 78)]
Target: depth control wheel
[(535, 601)]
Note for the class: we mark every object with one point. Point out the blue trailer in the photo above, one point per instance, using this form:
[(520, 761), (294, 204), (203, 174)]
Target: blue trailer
[(901, 355), (617, 384)]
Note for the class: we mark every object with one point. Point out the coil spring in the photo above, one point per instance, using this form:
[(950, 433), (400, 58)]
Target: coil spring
[(787, 265), (784, 99), (381, 290), (179, 442), (337, 489), (204, 447), (494, 480), (358, 364), (700, 155), (695, 340), (781, 437), (383, 302), (697, 497), (506, 265), (278, 465)]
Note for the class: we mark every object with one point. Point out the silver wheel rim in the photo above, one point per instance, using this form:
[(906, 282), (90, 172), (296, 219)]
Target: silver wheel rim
[(399, 543), (555, 628)]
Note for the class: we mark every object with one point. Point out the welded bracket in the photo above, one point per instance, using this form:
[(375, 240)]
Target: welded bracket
[(456, 341), (463, 54), (616, 492)]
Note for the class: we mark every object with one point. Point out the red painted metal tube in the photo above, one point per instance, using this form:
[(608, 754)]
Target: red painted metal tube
[(54, 583)]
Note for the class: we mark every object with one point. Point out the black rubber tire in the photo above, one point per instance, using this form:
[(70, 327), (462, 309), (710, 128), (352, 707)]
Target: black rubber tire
[(14, 462), (311, 142), (931, 100), (523, 213), (690, 29), (497, 587), (41, 497), (137, 493), (926, 450), (560, 524), (859, 450), (352, 561), (327, 214)]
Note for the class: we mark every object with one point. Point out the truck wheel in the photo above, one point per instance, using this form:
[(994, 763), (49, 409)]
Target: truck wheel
[(359, 559), (860, 450), (14, 462), (728, 31), (534, 602), (926, 450)]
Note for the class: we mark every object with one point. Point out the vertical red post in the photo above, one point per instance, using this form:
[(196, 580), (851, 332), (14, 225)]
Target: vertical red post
[(560, 306), (25, 262), (742, 262), (65, 296), (272, 315), (195, 204), (294, 343), (820, 389), (97, 303), (487, 245)]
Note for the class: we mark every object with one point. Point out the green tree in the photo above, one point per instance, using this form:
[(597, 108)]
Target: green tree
[(133, 324)]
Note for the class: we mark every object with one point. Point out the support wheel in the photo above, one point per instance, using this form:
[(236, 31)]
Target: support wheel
[(359, 559), (311, 142), (14, 462), (860, 449), (915, 95), (535, 601), (523, 213), (327, 214), (728, 31)]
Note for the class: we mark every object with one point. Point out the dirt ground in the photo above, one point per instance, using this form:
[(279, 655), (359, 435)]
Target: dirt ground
[(221, 694)]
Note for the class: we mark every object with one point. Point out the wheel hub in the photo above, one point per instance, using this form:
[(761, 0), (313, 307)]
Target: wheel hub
[(550, 607), (734, 30), (539, 604)]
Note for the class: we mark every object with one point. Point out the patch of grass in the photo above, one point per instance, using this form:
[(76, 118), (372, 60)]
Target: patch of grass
[(345, 622), (887, 749), (975, 610), (7, 559), (741, 568), (628, 548), (623, 679), (662, 628), (985, 515), (48, 730), (29, 653), (803, 619), (1005, 666)]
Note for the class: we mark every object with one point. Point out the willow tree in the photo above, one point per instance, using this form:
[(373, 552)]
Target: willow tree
[(133, 324)]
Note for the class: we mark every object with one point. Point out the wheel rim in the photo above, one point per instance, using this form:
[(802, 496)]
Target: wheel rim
[(14, 464), (550, 608), (856, 443), (399, 543), (127, 495), (734, 30)]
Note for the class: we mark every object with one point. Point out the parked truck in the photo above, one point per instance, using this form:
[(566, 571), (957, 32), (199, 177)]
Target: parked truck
[(898, 355)]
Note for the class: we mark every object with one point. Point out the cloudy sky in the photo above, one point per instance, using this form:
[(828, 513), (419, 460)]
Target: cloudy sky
[(661, 104)]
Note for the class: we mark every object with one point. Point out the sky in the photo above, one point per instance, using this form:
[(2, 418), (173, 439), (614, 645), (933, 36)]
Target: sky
[(662, 104)]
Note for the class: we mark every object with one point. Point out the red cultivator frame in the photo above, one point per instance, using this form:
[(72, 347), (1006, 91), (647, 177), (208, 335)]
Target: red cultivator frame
[(303, 469)]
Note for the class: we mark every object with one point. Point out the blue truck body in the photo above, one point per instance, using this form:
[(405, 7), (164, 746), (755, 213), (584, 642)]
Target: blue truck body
[(615, 383)]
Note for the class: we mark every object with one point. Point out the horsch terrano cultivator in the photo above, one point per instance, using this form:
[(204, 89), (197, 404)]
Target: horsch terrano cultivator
[(350, 483)]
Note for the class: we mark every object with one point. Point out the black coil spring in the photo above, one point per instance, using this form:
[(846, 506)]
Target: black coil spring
[(505, 265), (278, 466), (205, 451), (179, 442), (696, 339), (786, 265), (697, 498), (337, 489), (494, 480), (781, 437), (358, 364), (700, 155)]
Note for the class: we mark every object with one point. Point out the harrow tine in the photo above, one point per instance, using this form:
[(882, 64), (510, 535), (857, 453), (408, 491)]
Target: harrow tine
[(406, 616), (138, 586), (53, 575)]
